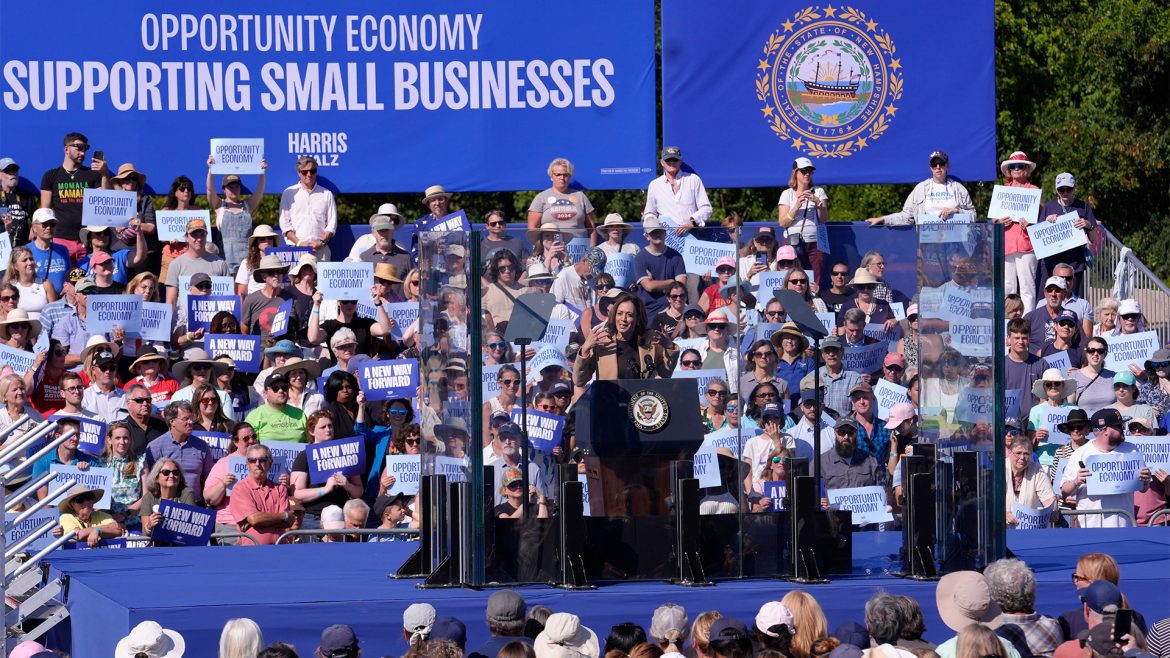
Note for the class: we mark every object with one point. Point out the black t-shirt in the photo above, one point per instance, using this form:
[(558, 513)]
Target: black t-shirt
[(68, 192), (140, 438), (110, 290), (503, 509), (833, 301), (664, 323), (21, 206), (361, 329), (336, 497)]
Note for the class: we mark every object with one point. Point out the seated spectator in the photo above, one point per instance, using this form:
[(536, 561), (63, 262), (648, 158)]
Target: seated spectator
[(19, 331), (883, 620), (912, 625), (339, 640), (564, 635), (607, 293), (624, 637), (66, 453), (192, 453), (1013, 588), (198, 369), (261, 508), (504, 616), (103, 397), (35, 293), (757, 449), (669, 627), (572, 285), (512, 491), (714, 414), (357, 513), (1028, 482), (341, 400), (1021, 367), (963, 598), (302, 377), (263, 236), (712, 297), (873, 438), (450, 630), (147, 369), (78, 514), (836, 381), (151, 639), (1090, 568), (128, 468), (220, 479), (729, 638), (336, 489), (775, 471), (164, 482), (391, 513), (876, 311), (276, 420)]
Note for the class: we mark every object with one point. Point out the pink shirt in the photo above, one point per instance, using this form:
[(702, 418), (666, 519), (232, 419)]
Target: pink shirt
[(223, 515), (249, 497), (1015, 238)]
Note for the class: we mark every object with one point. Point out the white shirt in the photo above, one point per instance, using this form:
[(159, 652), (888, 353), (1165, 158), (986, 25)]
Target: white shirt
[(690, 202), (1123, 501), (805, 223), (568, 287), (308, 214), (108, 406), (757, 449)]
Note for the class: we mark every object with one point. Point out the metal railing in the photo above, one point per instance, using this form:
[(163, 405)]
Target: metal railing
[(1138, 282), (410, 533), (230, 535), (1099, 512), (1154, 518)]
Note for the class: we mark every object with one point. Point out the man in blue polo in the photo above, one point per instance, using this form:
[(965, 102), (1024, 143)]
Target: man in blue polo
[(190, 452)]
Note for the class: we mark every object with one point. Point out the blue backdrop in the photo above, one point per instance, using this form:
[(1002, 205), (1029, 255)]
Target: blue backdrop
[(867, 91), (474, 96)]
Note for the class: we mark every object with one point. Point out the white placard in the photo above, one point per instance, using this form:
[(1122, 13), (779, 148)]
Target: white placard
[(1049, 418), (405, 469), (899, 310), (5, 249), (1130, 348), (93, 477), (1059, 361), (1051, 238), (974, 405), (1114, 473), (888, 394), (237, 156), (767, 283), (868, 504), (707, 467), (957, 228), (108, 207), (730, 438), (171, 225), (1031, 519), (972, 337), (345, 280), (618, 266), (865, 359), (700, 256), (828, 321), (1014, 202), (1155, 449)]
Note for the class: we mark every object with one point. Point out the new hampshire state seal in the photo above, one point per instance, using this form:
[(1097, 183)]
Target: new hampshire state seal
[(829, 81)]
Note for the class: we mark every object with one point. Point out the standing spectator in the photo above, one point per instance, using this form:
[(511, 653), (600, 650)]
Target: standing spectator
[(128, 468), (757, 256), (191, 453), (180, 197), (263, 237), (260, 307), (875, 262), (803, 430), (52, 259), (1021, 367), (963, 598), (839, 293), (656, 267), (940, 195), (20, 204), (864, 283), (308, 214), (262, 508), (1108, 427), (873, 438), (791, 365), (883, 620), (63, 190), (836, 381), (504, 615), (845, 466), (103, 397), (215, 490), (276, 420), (197, 368), (760, 367), (680, 196), (233, 214), (1027, 482), (195, 260), (66, 454), (670, 320), (1052, 389), (335, 489), (1066, 201), (144, 427), (802, 207), (498, 238), (568, 209), (1094, 382), (34, 293), (1070, 299), (1154, 382), (1020, 266)]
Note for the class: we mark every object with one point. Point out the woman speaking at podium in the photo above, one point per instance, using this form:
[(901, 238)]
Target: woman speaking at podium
[(623, 348)]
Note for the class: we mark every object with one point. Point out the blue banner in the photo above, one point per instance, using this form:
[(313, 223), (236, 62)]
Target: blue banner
[(280, 320), (389, 380), (456, 221), (93, 433), (184, 525), (356, 84), (245, 350), (865, 89), (544, 429), (346, 456), (220, 443)]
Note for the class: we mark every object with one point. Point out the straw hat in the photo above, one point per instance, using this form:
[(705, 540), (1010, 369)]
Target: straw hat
[(547, 227), (126, 171), (1053, 375), (387, 272), (197, 356), (306, 260), (15, 316), (862, 276), (963, 598), (614, 220), (271, 263), (262, 231), (1017, 157), (390, 211), (83, 234), (94, 344), (433, 192), (76, 490), (148, 353), (789, 330), (538, 272), (310, 366)]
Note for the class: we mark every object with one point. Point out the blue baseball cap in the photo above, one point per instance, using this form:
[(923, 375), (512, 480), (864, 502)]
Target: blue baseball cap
[(1100, 595), (771, 409)]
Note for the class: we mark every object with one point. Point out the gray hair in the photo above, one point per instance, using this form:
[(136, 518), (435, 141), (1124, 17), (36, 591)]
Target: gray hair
[(869, 258), (355, 504), (1109, 303), (306, 159), (135, 386), (560, 162), (1063, 266), (1012, 585), (883, 618), (257, 446), (241, 638), (855, 315)]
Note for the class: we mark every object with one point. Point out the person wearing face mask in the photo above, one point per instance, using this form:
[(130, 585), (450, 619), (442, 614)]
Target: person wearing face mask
[(1108, 428)]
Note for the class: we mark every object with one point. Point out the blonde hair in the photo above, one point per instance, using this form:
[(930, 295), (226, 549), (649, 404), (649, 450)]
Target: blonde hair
[(560, 162), (142, 276), (6, 383), (1099, 566), (979, 641), (701, 630), (241, 638), (809, 620)]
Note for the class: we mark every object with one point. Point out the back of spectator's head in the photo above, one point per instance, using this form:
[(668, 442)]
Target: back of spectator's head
[(516, 649), (729, 639), (278, 650), (913, 624), (823, 647), (534, 624), (1097, 566), (963, 598), (979, 641), (338, 641), (564, 636), (625, 636), (808, 618), (505, 613), (646, 650), (883, 618), (435, 649), (1099, 640), (701, 630), (417, 621), (669, 625), (1101, 596), (241, 638), (774, 626), (449, 629), (1012, 585)]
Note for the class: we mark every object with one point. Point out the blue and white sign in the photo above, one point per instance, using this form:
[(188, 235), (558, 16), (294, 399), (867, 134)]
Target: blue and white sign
[(868, 504), (5, 244), (557, 333), (767, 283), (171, 225), (1015, 203), (1059, 361), (404, 314), (828, 321), (345, 280), (19, 360), (237, 156), (544, 429), (700, 255), (184, 525), (288, 254), (14, 532), (202, 308), (878, 332), (453, 222), (219, 442), (94, 477), (706, 467), (1031, 519), (237, 466), (1051, 238), (1049, 418), (346, 456), (104, 312), (1114, 473), (972, 338), (220, 285), (93, 433), (974, 405), (546, 355), (618, 266), (730, 438), (280, 320), (490, 382), (455, 468), (936, 230), (887, 395), (283, 454), (388, 380), (865, 359), (775, 491), (108, 207), (157, 322), (1130, 348), (245, 350), (1155, 450), (405, 469)]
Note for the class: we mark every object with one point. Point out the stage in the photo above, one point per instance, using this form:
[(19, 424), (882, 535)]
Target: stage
[(295, 591)]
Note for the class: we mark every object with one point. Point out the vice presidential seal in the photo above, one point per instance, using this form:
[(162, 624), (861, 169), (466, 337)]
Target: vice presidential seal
[(829, 81), (649, 411)]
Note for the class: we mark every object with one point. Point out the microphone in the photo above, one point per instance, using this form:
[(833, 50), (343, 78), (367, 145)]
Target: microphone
[(648, 372)]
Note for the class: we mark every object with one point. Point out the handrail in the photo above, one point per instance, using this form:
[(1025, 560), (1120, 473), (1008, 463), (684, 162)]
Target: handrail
[(227, 535), (1152, 521), (49, 447), (36, 507), (32, 561), (17, 547), (12, 427), (1100, 512), (1136, 262), (13, 499), (412, 532), (26, 439)]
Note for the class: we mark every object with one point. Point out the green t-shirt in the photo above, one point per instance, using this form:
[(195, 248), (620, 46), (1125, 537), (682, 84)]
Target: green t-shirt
[(287, 424)]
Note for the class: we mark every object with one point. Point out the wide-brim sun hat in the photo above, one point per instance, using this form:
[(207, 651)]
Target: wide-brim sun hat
[(270, 263), (963, 598), (1160, 356), (1053, 375), (434, 192), (126, 171), (789, 330), (862, 276), (149, 638), (16, 316), (613, 220), (198, 356), (310, 366), (263, 231), (1017, 157)]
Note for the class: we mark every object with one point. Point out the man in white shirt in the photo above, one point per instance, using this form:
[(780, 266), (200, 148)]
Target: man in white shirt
[(1108, 438), (680, 196), (103, 397), (308, 214)]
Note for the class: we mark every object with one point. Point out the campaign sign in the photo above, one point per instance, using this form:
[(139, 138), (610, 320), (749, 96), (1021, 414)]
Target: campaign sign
[(1059, 361), (94, 477), (868, 504), (5, 245), (764, 330), (156, 321), (546, 355), (878, 332), (455, 468), (828, 321), (767, 283), (93, 433), (283, 454), (288, 255), (1051, 238), (700, 255), (956, 228), (1014, 202), (345, 280), (974, 405), (404, 314), (576, 248), (280, 320), (14, 532), (1050, 417), (1114, 473), (673, 240), (1155, 449), (930, 302), (237, 156), (220, 285), (1130, 348), (490, 385), (245, 350), (1031, 519), (618, 266), (19, 360), (237, 466), (776, 491), (405, 469), (346, 456), (1011, 401), (389, 380), (685, 344), (202, 308), (706, 467), (888, 394), (557, 333), (104, 312), (544, 429), (452, 222), (729, 438), (956, 304), (108, 207), (866, 358), (972, 338), (171, 225), (899, 310), (584, 480), (184, 525), (702, 377), (219, 442)]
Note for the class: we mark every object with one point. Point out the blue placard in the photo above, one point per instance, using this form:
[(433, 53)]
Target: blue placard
[(404, 314), (220, 443), (245, 350), (157, 321), (700, 255), (14, 532), (280, 320), (456, 221), (283, 454), (201, 308), (108, 207), (405, 469), (288, 255), (184, 525), (868, 504), (775, 490), (854, 87), (345, 280), (544, 429), (346, 456), (1155, 449), (104, 312), (171, 225), (19, 360), (388, 380), (618, 266), (93, 433)]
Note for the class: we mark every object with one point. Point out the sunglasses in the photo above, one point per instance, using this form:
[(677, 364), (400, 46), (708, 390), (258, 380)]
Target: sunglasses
[(725, 270), (140, 400), (677, 296), (495, 224), (764, 354), (398, 412), (498, 345), (894, 368), (767, 396), (561, 394), (278, 389), (1066, 324), (1131, 316), (1159, 364), (84, 498), (732, 408), (9, 298), (1017, 167), (1012, 433), (259, 460), (412, 442), (1096, 350), (170, 472), (839, 274), (107, 368), (306, 172), (777, 460), (716, 393), (246, 437), (865, 286), (773, 313), (1053, 384), (717, 326), (1138, 427), (802, 282), (80, 147), (691, 363), (509, 382)]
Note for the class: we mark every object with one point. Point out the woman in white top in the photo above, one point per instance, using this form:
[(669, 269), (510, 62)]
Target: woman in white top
[(14, 404), (940, 195), (22, 273), (263, 236), (233, 215), (1027, 482), (757, 256), (614, 231), (802, 207)]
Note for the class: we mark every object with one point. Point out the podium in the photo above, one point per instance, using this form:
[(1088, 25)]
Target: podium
[(629, 431)]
